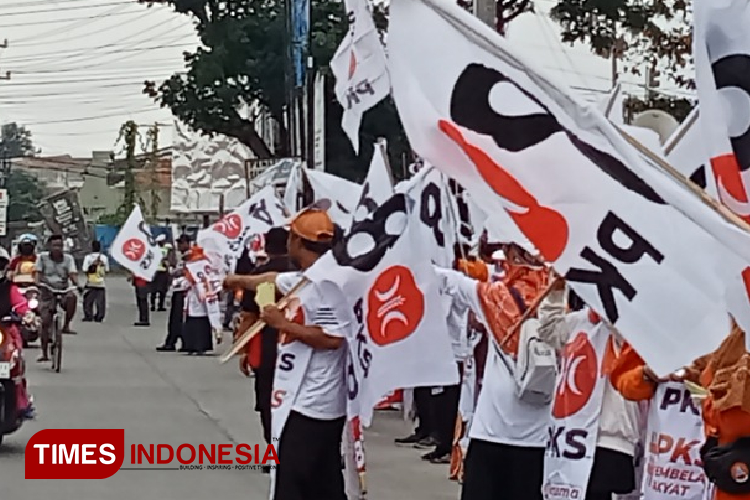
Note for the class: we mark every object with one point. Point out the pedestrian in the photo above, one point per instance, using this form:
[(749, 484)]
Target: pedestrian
[(96, 265), (177, 305), (309, 418), (162, 280), (197, 330), (260, 355), (142, 288), (507, 436)]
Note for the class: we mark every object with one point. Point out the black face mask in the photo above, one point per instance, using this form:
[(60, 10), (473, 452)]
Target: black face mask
[(26, 250)]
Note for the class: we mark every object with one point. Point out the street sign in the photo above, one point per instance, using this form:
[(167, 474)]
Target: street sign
[(3, 212)]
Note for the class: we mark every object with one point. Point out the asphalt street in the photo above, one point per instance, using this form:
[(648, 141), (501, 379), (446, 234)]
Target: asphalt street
[(112, 378)]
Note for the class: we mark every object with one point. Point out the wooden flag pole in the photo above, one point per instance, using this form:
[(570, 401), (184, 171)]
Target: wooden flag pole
[(727, 214), (258, 326)]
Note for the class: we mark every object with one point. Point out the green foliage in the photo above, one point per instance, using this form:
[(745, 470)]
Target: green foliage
[(678, 107), (25, 194), (641, 28), (243, 61), (15, 141), (116, 219), (152, 144), (129, 137)]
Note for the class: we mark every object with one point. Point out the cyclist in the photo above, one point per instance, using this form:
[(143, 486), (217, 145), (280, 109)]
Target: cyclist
[(55, 269), (12, 301), (22, 268)]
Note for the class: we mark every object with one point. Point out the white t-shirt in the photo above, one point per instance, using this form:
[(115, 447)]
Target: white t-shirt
[(500, 417), (322, 393), (90, 259)]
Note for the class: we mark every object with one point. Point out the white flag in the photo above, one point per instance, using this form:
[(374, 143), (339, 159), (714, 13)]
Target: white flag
[(257, 215), (359, 66), (377, 188), (721, 46), (634, 243), (339, 197), (135, 249), (400, 337)]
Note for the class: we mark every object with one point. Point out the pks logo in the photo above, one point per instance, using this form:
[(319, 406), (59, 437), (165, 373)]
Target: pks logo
[(230, 226), (546, 228), (577, 377), (134, 249), (75, 453), (395, 306)]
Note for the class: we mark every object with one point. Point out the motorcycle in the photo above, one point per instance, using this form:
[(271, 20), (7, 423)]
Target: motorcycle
[(12, 371), (32, 321)]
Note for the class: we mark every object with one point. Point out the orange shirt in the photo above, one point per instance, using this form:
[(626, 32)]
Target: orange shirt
[(627, 376)]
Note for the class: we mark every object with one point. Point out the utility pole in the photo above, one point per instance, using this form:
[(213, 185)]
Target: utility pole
[(618, 47), (5, 161), (4, 45)]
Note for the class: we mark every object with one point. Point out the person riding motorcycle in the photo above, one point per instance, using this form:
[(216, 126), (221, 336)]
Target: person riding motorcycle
[(12, 302), (23, 266)]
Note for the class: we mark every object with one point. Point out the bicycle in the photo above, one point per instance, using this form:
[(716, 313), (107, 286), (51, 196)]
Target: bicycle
[(55, 334)]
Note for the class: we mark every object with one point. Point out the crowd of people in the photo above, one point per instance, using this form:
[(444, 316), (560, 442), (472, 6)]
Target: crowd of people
[(503, 437), (593, 423)]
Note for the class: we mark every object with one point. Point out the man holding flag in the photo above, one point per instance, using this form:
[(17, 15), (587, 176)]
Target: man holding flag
[(309, 396)]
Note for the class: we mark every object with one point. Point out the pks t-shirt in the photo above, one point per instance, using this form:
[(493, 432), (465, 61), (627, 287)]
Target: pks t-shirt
[(322, 393)]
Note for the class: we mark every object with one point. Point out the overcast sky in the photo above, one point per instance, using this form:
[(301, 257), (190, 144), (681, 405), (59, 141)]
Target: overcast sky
[(78, 66)]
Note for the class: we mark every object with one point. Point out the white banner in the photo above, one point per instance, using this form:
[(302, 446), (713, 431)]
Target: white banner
[(673, 467), (400, 338), (574, 425), (135, 249), (620, 229), (207, 279), (255, 216), (359, 66)]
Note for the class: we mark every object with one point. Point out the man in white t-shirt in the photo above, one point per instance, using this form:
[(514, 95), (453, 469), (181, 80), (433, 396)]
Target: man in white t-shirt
[(507, 436), (309, 449), (96, 266)]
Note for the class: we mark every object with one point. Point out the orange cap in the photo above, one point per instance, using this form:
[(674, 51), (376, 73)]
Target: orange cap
[(312, 224)]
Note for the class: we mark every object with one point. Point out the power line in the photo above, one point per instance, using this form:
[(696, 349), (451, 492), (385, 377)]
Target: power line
[(88, 55), (93, 117), (65, 9), (68, 28), (6, 60), (74, 26), (56, 21)]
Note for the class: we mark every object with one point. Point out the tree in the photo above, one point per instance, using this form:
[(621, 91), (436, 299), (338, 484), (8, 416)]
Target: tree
[(655, 33), (24, 194), (15, 141), (243, 62), (129, 137)]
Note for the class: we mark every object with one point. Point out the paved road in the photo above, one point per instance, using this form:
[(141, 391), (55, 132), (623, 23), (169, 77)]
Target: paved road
[(113, 378)]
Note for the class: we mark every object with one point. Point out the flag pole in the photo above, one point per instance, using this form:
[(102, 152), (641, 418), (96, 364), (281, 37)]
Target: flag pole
[(258, 326), (671, 144), (727, 214)]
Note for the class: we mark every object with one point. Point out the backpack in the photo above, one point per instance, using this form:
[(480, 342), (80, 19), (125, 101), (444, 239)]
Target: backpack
[(535, 371)]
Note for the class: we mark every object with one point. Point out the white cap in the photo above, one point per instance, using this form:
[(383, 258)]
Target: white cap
[(161, 237), (498, 255)]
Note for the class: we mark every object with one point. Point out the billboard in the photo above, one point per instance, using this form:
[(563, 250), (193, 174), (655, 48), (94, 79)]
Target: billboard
[(63, 215)]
